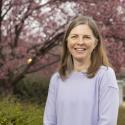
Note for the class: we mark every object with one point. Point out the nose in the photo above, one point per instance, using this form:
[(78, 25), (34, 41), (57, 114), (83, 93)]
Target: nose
[(80, 41)]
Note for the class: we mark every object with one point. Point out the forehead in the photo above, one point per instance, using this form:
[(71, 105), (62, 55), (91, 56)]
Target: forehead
[(81, 29)]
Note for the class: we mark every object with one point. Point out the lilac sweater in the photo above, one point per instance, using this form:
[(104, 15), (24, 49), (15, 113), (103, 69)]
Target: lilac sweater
[(83, 101)]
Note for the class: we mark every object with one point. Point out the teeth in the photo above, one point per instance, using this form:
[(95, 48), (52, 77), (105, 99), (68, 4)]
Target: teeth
[(80, 49)]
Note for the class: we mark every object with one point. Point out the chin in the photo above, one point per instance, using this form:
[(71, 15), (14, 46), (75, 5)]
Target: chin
[(79, 58)]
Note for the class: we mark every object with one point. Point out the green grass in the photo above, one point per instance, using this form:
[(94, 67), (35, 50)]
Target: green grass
[(121, 116), (13, 112)]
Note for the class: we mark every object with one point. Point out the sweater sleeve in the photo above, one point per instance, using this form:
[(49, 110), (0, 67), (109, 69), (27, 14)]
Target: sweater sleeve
[(49, 117), (108, 99)]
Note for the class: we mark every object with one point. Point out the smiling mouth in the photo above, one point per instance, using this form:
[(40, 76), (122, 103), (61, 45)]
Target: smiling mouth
[(80, 49)]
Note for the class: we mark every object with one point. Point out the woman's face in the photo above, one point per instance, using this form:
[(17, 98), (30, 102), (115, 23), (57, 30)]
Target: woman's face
[(81, 42)]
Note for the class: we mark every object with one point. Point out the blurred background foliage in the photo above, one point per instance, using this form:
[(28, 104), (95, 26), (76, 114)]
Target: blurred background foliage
[(33, 88)]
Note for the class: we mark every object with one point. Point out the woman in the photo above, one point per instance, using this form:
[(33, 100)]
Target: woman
[(84, 91)]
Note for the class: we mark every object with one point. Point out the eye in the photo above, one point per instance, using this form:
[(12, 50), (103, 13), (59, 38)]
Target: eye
[(87, 37), (74, 36)]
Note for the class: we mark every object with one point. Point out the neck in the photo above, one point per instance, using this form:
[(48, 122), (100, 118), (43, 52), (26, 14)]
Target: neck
[(81, 66)]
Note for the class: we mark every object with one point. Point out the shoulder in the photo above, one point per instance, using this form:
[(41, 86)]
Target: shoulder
[(104, 70), (54, 76), (107, 77), (54, 79)]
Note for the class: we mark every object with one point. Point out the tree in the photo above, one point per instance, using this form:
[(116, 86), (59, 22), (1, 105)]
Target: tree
[(30, 29), (18, 52)]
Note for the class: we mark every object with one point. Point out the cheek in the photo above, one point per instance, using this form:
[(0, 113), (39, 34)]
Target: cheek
[(69, 45), (93, 44)]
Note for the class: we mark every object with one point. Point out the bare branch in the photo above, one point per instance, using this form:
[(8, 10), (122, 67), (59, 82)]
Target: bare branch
[(10, 6), (41, 67)]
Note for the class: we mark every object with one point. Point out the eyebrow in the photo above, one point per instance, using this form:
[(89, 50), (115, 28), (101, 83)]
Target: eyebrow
[(81, 34)]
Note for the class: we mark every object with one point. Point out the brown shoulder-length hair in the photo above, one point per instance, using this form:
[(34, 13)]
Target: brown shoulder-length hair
[(98, 56)]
